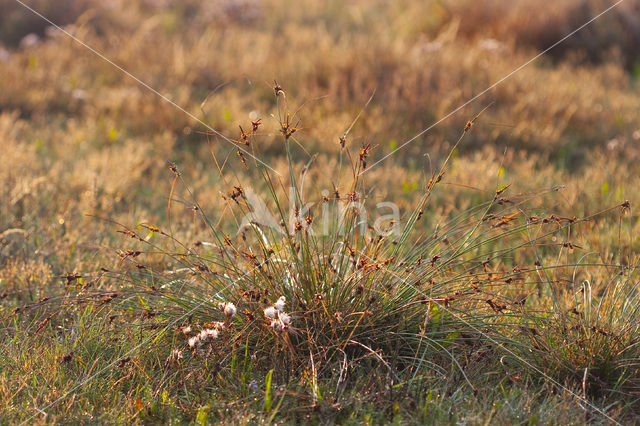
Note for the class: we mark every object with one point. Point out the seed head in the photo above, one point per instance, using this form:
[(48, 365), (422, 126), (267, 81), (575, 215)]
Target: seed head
[(270, 312), (285, 318), (279, 305), (208, 333), (277, 88), (276, 325), (230, 309)]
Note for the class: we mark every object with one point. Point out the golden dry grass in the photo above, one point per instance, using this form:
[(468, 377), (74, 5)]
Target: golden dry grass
[(82, 142)]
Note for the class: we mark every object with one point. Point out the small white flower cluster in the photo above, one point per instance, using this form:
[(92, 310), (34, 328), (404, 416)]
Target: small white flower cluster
[(228, 308), (280, 320), (206, 334)]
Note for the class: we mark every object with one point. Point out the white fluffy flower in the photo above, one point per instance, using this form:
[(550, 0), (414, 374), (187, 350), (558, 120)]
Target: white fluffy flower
[(279, 305), (276, 325), (194, 341), (208, 333), (285, 318), (270, 312), (230, 309)]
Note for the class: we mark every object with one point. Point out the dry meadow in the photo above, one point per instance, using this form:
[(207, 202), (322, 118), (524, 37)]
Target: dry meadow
[(133, 289)]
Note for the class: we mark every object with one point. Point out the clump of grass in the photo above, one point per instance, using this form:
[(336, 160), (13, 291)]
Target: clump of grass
[(591, 341), (388, 295)]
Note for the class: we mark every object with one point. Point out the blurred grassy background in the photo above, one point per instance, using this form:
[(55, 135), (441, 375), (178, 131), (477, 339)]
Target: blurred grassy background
[(80, 137)]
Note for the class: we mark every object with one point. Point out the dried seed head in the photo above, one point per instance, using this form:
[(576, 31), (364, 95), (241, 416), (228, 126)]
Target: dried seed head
[(173, 168), (277, 88), (364, 152)]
